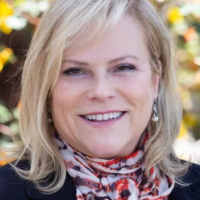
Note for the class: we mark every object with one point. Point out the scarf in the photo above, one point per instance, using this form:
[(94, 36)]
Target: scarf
[(121, 178)]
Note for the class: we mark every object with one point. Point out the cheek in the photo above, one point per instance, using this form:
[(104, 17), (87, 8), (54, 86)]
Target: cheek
[(61, 103), (139, 93), (65, 94), (63, 90), (138, 89)]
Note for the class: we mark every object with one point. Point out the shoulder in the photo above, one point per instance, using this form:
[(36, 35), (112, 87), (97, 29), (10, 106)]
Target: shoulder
[(191, 191), (11, 185)]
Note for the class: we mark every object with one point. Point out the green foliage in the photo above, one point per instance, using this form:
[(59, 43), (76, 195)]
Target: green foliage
[(5, 114)]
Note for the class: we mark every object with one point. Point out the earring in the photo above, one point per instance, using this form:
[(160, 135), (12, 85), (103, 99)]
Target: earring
[(49, 116), (155, 116)]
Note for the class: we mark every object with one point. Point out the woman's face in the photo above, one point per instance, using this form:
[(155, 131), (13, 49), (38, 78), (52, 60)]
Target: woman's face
[(103, 99)]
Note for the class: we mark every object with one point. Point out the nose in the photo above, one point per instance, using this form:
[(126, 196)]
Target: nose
[(101, 90)]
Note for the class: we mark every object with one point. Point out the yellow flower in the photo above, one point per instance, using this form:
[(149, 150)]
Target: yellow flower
[(1, 65), (183, 131), (5, 9), (5, 55), (4, 27), (190, 120), (174, 15)]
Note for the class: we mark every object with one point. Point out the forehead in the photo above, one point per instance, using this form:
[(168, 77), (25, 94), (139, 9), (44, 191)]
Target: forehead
[(125, 38)]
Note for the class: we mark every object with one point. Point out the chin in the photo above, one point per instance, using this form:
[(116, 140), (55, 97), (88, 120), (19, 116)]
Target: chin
[(106, 151)]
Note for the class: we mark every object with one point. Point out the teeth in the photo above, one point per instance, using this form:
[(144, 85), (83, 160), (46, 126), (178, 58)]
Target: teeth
[(110, 115), (99, 117), (106, 116)]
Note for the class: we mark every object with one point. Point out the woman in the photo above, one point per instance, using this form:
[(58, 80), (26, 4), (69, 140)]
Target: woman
[(100, 108)]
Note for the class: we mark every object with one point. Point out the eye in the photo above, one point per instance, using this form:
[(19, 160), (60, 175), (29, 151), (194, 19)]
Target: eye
[(73, 72), (125, 68)]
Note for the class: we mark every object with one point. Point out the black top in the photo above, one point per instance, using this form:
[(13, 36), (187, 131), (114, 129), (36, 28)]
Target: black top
[(12, 187)]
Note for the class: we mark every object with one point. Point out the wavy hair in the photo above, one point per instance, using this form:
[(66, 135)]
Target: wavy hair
[(66, 27)]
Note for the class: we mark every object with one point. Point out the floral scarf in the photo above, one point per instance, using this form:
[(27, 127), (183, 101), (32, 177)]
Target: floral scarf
[(120, 178)]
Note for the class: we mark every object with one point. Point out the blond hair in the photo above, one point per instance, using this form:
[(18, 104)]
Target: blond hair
[(67, 26)]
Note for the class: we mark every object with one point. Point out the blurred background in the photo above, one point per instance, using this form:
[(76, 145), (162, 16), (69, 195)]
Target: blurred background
[(18, 21)]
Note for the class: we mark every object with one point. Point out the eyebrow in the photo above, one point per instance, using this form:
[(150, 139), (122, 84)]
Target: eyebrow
[(110, 62)]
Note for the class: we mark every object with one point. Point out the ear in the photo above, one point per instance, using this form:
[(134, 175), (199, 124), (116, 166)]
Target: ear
[(156, 79)]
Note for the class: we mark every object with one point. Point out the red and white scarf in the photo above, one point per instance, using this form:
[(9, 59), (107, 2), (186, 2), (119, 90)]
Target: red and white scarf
[(120, 178)]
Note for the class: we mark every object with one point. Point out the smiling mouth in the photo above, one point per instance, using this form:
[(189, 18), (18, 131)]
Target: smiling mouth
[(103, 117)]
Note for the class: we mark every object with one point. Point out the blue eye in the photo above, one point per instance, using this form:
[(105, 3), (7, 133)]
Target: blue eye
[(125, 68), (73, 72)]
